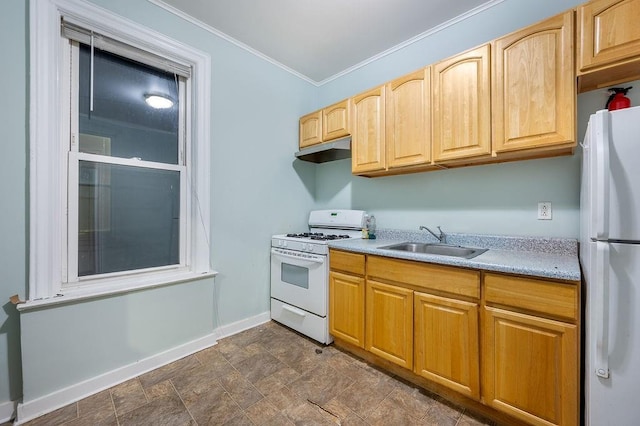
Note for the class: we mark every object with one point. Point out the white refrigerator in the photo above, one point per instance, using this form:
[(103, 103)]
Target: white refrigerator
[(610, 258)]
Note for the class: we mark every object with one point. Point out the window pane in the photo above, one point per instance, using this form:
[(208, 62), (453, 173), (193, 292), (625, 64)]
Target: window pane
[(122, 124), (128, 217)]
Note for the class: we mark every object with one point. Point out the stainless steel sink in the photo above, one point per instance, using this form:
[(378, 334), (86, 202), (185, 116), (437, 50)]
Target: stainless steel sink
[(437, 249)]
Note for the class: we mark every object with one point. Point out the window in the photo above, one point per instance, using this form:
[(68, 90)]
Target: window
[(127, 172), (119, 188)]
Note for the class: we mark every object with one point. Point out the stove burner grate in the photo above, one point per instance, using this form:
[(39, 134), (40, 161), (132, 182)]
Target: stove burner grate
[(318, 236)]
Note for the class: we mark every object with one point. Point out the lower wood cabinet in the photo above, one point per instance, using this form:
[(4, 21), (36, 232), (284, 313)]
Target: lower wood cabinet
[(389, 323), (346, 307), (530, 349), (346, 296), (502, 341), (530, 367), (446, 342)]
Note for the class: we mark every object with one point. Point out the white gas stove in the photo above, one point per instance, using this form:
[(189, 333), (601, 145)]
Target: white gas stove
[(300, 271)]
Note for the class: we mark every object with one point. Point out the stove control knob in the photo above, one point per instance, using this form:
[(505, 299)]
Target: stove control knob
[(310, 247), (305, 246), (284, 244)]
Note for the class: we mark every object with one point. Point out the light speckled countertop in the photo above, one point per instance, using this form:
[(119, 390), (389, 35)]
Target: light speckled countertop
[(538, 257)]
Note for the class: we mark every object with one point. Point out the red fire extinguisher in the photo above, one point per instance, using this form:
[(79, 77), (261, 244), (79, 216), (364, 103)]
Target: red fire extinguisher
[(617, 99)]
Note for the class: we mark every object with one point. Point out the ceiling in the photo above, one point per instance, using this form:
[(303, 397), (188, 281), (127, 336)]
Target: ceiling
[(319, 40)]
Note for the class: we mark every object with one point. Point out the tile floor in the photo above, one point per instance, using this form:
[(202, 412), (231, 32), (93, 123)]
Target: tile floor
[(268, 375)]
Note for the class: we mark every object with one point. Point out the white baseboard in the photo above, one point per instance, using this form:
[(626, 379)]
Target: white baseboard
[(245, 324), (31, 409), (6, 411)]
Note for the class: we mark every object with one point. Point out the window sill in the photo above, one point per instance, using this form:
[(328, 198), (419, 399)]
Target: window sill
[(123, 286)]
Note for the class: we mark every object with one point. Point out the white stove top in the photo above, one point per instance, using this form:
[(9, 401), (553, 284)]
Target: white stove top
[(318, 236), (311, 242), (324, 226)]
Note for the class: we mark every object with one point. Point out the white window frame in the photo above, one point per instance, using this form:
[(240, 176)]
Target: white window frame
[(49, 150)]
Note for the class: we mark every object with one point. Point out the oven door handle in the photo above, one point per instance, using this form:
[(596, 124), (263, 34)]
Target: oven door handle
[(293, 310), (318, 259)]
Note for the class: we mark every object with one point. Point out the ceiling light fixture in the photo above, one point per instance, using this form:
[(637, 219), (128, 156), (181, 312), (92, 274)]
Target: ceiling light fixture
[(158, 101)]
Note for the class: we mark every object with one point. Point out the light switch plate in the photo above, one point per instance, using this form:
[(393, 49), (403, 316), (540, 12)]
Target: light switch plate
[(544, 210)]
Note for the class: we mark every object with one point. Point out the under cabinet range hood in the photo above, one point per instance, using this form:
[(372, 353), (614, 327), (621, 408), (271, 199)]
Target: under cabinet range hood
[(328, 151)]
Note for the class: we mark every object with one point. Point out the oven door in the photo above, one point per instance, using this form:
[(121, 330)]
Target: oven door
[(300, 279)]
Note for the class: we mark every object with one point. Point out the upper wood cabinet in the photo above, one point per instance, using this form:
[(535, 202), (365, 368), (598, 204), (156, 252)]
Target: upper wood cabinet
[(367, 131), (325, 125), (609, 43), (310, 129), (533, 87), (408, 119), (335, 121), (462, 106), (513, 98)]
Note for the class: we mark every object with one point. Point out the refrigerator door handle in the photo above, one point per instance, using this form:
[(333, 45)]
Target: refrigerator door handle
[(602, 310), (600, 196)]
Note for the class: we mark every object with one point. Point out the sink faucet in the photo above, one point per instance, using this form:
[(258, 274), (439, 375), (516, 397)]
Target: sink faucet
[(442, 238)]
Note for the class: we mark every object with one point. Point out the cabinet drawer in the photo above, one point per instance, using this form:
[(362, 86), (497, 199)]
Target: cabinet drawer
[(347, 262), (426, 276), (545, 297)]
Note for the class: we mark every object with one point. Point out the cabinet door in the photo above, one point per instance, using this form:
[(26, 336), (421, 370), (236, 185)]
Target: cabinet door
[(346, 307), (447, 343), (462, 106), (531, 367), (310, 129), (367, 131), (389, 323), (534, 90), (408, 115), (335, 121), (608, 32)]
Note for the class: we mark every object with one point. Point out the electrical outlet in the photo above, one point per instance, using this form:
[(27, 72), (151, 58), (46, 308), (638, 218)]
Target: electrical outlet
[(544, 210)]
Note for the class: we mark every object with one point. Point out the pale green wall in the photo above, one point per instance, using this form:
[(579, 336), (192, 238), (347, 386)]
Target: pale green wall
[(256, 191), (492, 199), (13, 163), (65, 345)]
